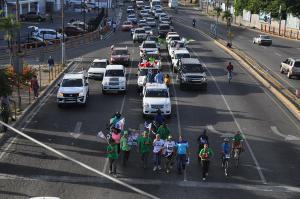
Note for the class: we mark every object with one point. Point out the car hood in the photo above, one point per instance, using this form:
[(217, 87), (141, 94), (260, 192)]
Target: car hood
[(96, 70), (156, 100), (70, 89), (114, 79)]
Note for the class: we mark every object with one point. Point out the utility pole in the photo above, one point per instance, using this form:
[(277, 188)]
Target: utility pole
[(63, 33), (280, 17), (18, 63)]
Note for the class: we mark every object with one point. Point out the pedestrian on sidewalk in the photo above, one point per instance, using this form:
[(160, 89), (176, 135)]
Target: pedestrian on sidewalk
[(182, 154), (125, 148), (169, 147), (34, 85), (5, 111), (157, 151), (114, 26), (112, 155), (144, 147), (50, 65)]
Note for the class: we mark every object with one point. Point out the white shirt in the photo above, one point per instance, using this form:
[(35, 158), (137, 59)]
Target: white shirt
[(169, 146), (158, 145)]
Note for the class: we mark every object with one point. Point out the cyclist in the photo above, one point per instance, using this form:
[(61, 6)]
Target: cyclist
[(205, 154), (202, 139), (194, 22), (229, 70), (225, 151), (237, 141)]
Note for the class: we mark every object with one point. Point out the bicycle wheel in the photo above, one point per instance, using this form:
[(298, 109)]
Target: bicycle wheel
[(226, 165)]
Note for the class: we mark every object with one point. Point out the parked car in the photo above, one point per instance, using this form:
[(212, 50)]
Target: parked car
[(120, 55), (79, 24), (263, 40), (46, 33), (34, 42), (72, 31), (191, 74), (32, 16), (291, 66)]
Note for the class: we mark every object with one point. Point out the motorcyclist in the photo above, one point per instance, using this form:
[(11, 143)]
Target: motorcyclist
[(194, 22)]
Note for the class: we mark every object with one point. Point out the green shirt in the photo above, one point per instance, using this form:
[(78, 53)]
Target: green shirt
[(238, 138), (112, 151), (164, 132), (124, 144), (145, 144), (206, 154)]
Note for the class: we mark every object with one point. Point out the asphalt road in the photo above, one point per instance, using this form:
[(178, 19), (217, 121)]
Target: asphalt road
[(269, 167), (269, 57)]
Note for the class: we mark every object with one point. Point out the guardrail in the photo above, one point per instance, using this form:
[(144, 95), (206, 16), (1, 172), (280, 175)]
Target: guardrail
[(292, 34)]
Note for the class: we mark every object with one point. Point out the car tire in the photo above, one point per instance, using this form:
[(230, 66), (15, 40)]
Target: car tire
[(104, 92), (281, 70), (289, 75)]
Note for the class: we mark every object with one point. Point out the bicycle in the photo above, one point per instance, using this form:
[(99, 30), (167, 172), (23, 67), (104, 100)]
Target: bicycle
[(225, 163), (229, 76), (236, 156)]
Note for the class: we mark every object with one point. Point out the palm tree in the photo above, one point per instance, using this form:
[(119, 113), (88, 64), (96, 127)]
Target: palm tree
[(228, 16), (9, 25)]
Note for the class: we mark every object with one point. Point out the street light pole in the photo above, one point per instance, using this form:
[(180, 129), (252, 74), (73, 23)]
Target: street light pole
[(280, 17), (18, 65), (63, 33)]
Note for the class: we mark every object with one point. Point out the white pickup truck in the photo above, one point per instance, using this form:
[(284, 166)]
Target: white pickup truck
[(263, 40), (290, 66)]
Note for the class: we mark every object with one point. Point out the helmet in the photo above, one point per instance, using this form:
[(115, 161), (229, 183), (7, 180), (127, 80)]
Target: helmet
[(118, 114), (170, 137), (226, 140)]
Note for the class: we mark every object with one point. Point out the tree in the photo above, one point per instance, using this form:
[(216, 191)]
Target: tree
[(239, 6), (218, 11), (5, 83), (255, 6), (228, 16), (293, 6)]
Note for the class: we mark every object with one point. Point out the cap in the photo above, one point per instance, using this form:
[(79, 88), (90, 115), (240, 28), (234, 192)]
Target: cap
[(226, 140)]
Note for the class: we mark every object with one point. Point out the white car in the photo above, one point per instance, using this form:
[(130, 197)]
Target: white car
[(156, 96), (148, 30), (97, 68), (73, 89), (132, 18), (291, 66), (148, 46), (157, 13), (46, 33), (151, 21), (263, 40), (176, 45), (114, 79), (139, 34), (172, 38), (142, 76), (178, 54)]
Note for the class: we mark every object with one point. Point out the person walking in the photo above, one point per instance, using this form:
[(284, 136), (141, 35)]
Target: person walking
[(125, 148), (205, 154), (163, 131), (50, 62), (144, 147), (34, 85), (157, 151), (5, 111), (116, 136), (114, 26), (182, 154), (169, 147), (112, 155)]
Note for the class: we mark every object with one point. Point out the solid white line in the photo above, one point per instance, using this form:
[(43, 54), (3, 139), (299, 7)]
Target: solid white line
[(262, 177), (76, 134), (276, 53)]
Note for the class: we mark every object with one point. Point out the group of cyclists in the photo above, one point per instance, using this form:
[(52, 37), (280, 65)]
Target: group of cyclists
[(157, 139)]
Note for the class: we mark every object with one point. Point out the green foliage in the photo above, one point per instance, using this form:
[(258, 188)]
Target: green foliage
[(239, 5), (5, 83), (9, 25), (293, 6), (255, 6), (218, 11)]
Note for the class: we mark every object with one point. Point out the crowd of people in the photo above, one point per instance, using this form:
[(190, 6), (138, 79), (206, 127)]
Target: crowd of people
[(159, 144)]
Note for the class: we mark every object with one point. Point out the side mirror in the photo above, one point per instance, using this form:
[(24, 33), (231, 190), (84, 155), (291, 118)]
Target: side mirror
[(86, 84)]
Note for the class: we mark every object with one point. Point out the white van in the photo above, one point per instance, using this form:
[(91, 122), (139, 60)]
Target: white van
[(155, 3), (114, 79)]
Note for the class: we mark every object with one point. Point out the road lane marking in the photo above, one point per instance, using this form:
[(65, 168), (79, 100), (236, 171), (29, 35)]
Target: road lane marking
[(76, 134), (276, 53), (286, 137), (258, 168), (223, 135), (155, 182)]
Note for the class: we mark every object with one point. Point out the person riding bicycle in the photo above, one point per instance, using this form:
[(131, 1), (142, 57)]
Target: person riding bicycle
[(115, 119), (202, 139), (237, 141), (225, 150), (194, 22), (229, 70)]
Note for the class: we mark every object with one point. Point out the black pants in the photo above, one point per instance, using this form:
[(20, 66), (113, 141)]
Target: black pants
[(113, 165), (205, 166), (5, 117), (125, 157), (145, 158)]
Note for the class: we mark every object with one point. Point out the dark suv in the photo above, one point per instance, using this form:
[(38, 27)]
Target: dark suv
[(120, 55), (32, 16), (191, 74), (163, 29)]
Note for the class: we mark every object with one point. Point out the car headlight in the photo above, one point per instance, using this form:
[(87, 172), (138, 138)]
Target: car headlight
[(204, 79), (184, 78), (81, 94), (167, 106), (60, 94), (146, 105), (105, 83)]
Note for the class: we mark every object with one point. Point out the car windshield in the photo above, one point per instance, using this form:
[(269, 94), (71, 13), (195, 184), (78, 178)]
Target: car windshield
[(144, 72), (149, 46), (177, 45), (192, 68), (266, 37), (182, 55), (98, 65), (147, 28), (140, 31), (114, 73), (48, 32), (157, 93), (164, 27), (150, 19), (297, 64), (72, 83), (175, 38), (158, 11), (120, 52)]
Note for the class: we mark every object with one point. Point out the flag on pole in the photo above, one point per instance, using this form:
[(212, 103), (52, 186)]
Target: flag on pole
[(120, 124)]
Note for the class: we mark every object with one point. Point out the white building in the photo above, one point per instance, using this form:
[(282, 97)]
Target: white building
[(38, 6)]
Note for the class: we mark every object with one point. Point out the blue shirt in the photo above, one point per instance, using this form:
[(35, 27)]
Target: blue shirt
[(226, 148), (182, 147), (160, 119), (159, 78)]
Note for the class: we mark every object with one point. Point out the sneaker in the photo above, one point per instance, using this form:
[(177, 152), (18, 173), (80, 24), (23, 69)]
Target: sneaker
[(110, 171), (155, 168), (159, 167)]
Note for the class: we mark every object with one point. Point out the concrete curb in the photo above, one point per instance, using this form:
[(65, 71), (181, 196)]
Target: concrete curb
[(29, 108), (251, 69)]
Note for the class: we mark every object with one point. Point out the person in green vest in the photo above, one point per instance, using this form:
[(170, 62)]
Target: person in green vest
[(125, 148), (144, 147), (112, 155), (163, 131), (205, 154)]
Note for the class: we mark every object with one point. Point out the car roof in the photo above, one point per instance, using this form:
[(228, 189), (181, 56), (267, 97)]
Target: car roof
[(190, 61), (114, 67), (149, 42), (74, 75), (119, 48), (99, 60), (155, 86), (181, 51)]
